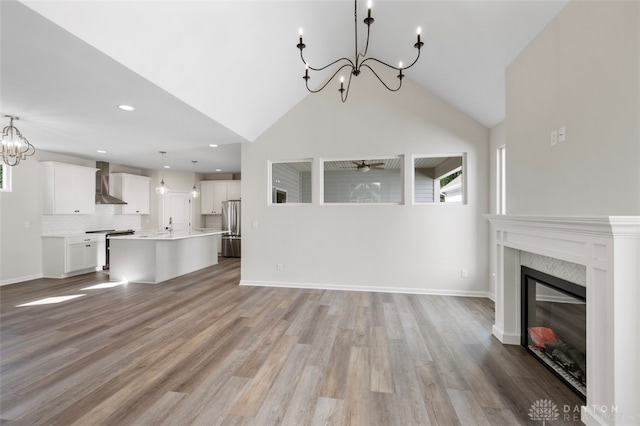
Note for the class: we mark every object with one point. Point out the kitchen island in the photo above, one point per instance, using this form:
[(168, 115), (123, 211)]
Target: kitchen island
[(157, 257)]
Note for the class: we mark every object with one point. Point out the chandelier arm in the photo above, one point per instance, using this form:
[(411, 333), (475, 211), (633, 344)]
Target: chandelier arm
[(391, 66), (326, 66), (382, 81), (331, 78), (366, 46), (10, 161)]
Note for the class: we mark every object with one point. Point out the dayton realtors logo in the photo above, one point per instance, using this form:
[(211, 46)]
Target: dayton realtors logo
[(543, 410)]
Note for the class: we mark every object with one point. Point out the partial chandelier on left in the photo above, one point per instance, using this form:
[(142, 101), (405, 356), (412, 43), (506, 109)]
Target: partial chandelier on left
[(15, 147)]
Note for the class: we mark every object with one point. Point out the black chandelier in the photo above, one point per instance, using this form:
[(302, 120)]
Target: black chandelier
[(359, 62)]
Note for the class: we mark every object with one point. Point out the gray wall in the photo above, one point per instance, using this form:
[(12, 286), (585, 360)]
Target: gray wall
[(580, 72), (387, 247)]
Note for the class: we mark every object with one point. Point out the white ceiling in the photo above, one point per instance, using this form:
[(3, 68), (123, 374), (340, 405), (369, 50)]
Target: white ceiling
[(222, 72)]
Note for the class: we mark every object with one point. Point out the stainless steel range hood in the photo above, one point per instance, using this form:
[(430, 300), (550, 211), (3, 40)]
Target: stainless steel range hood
[(102, 185)]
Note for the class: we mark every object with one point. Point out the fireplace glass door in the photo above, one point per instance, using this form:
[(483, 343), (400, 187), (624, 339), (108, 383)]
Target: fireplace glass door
[(554, 326)]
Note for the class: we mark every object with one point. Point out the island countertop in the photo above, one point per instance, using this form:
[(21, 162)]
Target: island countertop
[(155, 257), (166, 235)]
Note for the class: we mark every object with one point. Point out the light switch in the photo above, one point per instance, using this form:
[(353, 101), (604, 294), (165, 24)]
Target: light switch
[(562, 134), (254, 224)]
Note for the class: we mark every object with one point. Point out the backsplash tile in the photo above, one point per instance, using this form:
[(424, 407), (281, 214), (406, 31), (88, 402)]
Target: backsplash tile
[(104, 218), (213, 221), (568, 271)]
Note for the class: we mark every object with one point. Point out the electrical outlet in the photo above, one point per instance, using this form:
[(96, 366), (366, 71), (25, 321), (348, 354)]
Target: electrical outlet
[(278, 266), (554, 137), (27, 224), (464, 273), (254, 224)]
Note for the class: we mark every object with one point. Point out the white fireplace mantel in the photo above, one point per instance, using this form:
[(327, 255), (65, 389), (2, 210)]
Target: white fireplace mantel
[(609, 248)]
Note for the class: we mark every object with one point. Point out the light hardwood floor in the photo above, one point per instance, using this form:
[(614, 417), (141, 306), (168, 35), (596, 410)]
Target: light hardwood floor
[(200, 349)]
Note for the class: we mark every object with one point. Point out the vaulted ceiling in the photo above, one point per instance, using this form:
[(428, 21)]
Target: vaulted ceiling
[(222, 72)]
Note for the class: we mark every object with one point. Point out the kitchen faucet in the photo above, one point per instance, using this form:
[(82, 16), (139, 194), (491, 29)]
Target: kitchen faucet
[(170, 227)]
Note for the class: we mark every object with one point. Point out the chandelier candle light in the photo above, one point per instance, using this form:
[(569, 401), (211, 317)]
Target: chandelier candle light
[(360, 60), (15, 147)]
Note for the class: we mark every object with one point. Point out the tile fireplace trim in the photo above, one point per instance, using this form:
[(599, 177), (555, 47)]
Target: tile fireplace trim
[(609, 248)]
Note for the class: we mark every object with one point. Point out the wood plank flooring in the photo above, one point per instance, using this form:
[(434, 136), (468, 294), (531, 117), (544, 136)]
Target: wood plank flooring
[(201, 350)]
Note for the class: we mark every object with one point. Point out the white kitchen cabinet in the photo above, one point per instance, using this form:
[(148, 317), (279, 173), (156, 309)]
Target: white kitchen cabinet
[(64, 256), (134, 190), (233, 190), (206, 197), (219, 195), (69, 189), (214, 192)]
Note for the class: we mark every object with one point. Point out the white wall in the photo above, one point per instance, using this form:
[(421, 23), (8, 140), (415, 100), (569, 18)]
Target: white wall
[(582, 71), (414, 248)]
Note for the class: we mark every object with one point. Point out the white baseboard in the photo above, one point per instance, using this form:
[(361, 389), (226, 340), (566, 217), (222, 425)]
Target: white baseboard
[(504, 338), (603, 415), (20, 279), (375, 289)]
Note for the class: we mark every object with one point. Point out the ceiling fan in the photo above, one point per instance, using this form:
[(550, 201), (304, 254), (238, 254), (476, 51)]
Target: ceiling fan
[(365, 166)]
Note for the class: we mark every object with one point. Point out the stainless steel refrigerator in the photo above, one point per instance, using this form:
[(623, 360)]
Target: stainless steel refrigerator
[(231, 223)]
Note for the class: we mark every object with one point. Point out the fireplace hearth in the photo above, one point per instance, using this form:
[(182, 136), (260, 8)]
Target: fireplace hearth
[(554, 328)]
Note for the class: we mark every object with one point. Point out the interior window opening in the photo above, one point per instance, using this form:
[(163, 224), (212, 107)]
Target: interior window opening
[(290, 182), (363, 180), (439, 179)]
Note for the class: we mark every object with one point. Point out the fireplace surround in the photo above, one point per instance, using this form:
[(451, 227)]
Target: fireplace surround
[(609, 249)]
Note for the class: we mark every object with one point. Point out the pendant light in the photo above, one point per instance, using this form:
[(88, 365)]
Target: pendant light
[(194, 191), (163, 188), (15, 147)]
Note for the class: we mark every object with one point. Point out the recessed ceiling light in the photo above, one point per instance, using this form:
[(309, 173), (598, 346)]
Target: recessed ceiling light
[(167, 167), (213, 145), (126, 107), (218, 170), (102, 151)]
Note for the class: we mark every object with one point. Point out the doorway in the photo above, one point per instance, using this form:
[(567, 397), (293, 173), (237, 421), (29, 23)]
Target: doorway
[(177, 209)]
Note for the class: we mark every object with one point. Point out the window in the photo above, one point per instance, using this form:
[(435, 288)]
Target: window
[(290, 182), (5, 178), (501, 195), (439, 179), (376, 180)]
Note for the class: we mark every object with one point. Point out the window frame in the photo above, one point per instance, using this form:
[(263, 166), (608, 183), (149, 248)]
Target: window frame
[(501, 181), (463, 167), (6, 177), (273, 187)]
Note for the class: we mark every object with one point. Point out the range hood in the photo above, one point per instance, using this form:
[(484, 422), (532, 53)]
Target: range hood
[(102, 185)]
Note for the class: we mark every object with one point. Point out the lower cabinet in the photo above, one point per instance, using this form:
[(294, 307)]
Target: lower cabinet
[(64, 256)]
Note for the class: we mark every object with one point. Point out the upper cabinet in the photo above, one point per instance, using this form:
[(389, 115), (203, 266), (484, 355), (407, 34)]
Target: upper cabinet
[(233, 190), (69, 189), (214, 192), (134, 190)]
